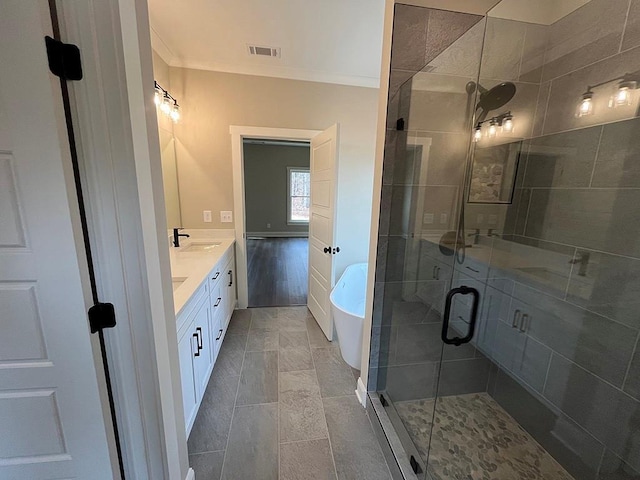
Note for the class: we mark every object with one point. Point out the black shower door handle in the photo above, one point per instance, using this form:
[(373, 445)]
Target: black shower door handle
[(463, 290)]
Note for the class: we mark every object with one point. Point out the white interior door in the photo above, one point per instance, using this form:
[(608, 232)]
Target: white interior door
[(52, 417), (324, 165)]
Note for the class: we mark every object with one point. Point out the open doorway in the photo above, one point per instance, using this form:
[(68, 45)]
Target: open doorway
[(277, 200)]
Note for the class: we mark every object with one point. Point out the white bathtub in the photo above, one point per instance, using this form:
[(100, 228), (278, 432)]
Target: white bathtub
[(347, 305)]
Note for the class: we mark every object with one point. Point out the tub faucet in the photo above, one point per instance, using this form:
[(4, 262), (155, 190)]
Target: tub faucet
[(176, 237), (475, 235), (583, 259)]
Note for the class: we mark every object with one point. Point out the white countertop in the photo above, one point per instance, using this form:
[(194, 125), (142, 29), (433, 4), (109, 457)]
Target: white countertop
[(194, 267)]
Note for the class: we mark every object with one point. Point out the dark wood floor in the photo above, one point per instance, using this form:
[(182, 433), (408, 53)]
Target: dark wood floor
[(278, 271)]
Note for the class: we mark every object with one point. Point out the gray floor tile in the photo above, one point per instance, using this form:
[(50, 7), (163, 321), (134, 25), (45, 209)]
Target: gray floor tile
[(334, 375), (356, 450), (264, 319), (240, 322), (259, 379), (293, 318), (295, 353), (301, 413), (207, 466), (306, 461), (229, 362), (262, 340), (253, 444), (211, 427), (316, 337)]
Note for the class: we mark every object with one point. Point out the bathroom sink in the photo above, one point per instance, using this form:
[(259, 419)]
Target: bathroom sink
[(177, 281), (200, 247)]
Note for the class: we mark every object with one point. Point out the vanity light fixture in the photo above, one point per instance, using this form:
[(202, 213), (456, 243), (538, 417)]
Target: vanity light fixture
[(586, 104), (501, 124), (168, 104), (622, 97)]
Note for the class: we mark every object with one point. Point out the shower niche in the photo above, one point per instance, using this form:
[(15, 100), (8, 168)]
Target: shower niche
[(492, 184)]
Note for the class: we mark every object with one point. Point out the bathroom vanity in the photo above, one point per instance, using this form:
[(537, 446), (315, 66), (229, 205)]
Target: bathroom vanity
[(204, 291)]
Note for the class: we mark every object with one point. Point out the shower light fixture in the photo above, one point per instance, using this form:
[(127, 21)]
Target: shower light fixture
[(586, 104), (168, 105)]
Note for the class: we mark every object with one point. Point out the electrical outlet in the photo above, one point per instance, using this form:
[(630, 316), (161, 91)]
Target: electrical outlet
[(226, 216), (427, 218), (206, 216), (268, 225)]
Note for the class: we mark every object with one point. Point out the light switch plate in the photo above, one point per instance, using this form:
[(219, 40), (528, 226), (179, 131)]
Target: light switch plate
[(226, 216), (206, 216), (427, 218)]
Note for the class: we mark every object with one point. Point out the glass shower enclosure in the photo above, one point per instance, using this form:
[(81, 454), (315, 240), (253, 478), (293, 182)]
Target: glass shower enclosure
[(506, 308)]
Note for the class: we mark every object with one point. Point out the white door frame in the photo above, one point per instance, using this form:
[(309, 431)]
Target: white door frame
[(238, 134)]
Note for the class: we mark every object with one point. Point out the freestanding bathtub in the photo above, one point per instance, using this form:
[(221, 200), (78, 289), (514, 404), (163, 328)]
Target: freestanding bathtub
[(347, 305)]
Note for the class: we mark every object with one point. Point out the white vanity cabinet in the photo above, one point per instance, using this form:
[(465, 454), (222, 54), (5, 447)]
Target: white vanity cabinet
[(202, 324)]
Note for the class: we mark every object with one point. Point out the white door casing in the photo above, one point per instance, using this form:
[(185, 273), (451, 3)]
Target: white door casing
[(50, 397), (324, 168)]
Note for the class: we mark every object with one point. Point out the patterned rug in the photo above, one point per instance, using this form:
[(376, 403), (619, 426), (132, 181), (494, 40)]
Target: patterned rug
[(474, 438)]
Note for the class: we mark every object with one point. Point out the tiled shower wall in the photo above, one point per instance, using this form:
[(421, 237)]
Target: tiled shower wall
[(576, 383)]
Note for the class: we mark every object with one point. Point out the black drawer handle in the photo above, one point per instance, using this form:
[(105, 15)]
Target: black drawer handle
[(219, 334), (197, 354), (218, 302), (473, 269), (230, 277), (199, 333), (463, 290), (216, 276)]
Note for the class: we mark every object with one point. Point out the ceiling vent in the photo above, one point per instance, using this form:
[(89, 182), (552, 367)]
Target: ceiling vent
[(264, 51)]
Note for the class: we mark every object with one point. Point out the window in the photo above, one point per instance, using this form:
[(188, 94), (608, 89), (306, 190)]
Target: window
[(299, 181)]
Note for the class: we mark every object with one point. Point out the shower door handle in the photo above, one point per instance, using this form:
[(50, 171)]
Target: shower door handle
[(463, 290)]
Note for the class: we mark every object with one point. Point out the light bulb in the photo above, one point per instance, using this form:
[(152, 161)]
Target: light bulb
[(165, 106), (585, 107), (507, 124), (175, 113), (493, 129), (157, 97), (622, 97), (477, 134)]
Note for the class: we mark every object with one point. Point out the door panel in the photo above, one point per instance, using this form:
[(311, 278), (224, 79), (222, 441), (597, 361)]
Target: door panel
[(324, 158), (49, 393)]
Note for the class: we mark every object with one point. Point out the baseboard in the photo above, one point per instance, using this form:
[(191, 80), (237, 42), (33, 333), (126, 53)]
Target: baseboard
[(191, 475), (278, 234), (361, 393)]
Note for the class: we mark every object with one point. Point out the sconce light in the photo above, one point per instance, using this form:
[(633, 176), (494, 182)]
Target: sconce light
[(168, 105), (586, 104), (622, 97), (500, 124)]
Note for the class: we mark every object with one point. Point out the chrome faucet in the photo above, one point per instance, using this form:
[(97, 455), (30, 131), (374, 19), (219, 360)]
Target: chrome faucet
[(176, 237), (583, 259)]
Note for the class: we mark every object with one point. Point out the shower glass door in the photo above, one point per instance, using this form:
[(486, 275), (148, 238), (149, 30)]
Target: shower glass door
[(538, 215)]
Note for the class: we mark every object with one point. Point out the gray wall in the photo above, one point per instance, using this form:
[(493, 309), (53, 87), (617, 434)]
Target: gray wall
[(265, 181)]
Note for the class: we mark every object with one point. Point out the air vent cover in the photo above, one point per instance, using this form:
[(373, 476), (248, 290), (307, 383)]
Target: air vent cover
[(263, 51)]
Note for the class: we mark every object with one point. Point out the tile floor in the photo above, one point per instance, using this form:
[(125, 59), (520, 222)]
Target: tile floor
[(281, 405)]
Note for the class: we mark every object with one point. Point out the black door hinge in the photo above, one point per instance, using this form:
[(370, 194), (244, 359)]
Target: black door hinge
[(102, 315), (64, 59), (415, 465)]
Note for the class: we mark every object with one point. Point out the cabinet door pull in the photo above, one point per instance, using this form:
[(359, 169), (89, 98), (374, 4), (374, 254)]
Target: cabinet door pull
[(516, 317), (217, 302), (524, 323), (197, 354), (473, 269), (219, 334), (199, 333), (215, 276), (230, 277)]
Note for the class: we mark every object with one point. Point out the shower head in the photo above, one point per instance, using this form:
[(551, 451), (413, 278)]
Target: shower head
[(497, 97)]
